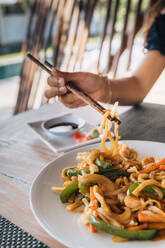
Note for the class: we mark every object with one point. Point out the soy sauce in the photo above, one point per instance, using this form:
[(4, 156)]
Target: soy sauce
[(71, 124)]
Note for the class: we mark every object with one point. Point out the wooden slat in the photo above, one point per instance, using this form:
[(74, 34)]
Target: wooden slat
[(90, 6), (52, 16), (72, 33), (68, 11), (109, 4), (29, 68), (123, 42), (24, 67), (138, 21), (112, 32), (27, 41), (57, 37), (86, 31)]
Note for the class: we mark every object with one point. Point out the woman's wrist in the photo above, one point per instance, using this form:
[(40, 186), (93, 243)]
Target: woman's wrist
[(106, 96)]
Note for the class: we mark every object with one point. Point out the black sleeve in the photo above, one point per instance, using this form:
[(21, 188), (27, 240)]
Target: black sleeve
[(156, 35)]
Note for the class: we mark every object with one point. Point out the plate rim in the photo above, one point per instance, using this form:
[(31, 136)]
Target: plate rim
[(54, 236)]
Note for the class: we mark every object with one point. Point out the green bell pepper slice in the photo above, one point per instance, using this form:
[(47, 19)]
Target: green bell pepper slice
[(94, 134), (84, 188), (102, 164), (70, 172), (147, 189), (122, 232), (113, 173), (107, 170), (68, 191)]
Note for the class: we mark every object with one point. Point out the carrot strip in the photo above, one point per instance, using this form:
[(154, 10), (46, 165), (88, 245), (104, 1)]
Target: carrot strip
[(93, 199), (158, 226), (162, 161), (149, 169), (92, 228), (153, 167), (162, 167), (93, 206), (139, 227), (80, 137), (143, 217), (92, 196)]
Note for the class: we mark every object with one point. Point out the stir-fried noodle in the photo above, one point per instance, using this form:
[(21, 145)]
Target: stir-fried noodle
[(111, 188)]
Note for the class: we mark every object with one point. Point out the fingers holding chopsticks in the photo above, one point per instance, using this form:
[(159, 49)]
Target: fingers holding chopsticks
[(56, 81), (54, 91), (71, 101), (90, 83), (57, 87)]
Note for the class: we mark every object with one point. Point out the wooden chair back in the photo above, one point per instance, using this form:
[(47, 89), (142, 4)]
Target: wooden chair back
[(73, 20)]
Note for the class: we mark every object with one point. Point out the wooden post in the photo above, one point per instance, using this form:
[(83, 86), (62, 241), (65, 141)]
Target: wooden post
[(112, 32), (109, 4), (123, 43)]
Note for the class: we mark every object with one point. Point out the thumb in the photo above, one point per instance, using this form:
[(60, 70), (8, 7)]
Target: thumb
[(68, 76)]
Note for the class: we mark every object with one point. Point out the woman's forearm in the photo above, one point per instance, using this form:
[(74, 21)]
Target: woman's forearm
[(127, 91), (132, 90)]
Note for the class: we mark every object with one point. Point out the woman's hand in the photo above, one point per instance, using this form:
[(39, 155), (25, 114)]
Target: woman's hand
[(92, 84)]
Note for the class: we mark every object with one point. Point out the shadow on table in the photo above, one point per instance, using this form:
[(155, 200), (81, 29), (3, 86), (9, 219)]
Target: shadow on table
[(143, 122)]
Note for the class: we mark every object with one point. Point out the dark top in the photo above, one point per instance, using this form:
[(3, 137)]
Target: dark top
[(156, 35)]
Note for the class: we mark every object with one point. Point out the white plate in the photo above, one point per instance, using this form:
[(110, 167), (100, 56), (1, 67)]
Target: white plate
[(64, 226)]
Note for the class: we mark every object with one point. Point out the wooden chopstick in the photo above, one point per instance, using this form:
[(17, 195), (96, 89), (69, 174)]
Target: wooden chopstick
[(36, 61), (74, 89)]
